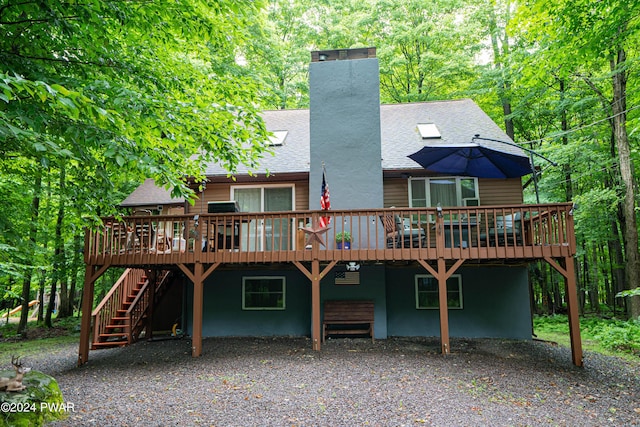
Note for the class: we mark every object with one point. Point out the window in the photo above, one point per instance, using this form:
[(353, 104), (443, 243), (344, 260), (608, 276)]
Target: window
[(447, 191), (272, 234), (427, 292), (429, 131), (263, 293), (278, 137)]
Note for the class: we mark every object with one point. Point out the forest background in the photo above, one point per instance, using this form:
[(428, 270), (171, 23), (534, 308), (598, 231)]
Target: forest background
[(95, 96)]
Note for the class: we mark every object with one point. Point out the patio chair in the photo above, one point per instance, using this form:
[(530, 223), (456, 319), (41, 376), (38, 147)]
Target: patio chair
[(507, 230), (401, 235)]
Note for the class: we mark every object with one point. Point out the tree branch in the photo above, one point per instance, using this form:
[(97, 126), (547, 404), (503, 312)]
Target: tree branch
[(36, 21), (108, 64)]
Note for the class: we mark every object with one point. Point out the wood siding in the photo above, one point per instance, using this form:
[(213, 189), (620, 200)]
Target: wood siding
[(500, 191), (396, 192), (218, 192)]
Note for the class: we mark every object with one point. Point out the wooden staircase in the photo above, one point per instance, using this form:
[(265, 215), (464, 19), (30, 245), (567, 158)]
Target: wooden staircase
[(123, 313)]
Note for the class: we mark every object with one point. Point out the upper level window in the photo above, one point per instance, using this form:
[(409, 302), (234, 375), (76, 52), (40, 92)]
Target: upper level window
[(446, 191), (427, 295)]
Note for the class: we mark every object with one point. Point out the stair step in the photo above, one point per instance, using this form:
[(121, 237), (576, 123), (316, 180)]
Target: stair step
[(113, 334), (112, 326), (120, 318), (108, 344)]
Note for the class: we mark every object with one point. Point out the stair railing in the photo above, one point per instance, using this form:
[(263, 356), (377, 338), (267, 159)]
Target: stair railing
[(112, 302), (140, 305)]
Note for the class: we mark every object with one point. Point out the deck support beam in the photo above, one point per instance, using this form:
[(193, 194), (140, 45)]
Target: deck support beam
[(91, 274), (442, 274), (567, 269), (315, 275)]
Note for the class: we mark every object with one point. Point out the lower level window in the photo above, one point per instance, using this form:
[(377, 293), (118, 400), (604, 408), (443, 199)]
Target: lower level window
[(427, 292), (263, 293)]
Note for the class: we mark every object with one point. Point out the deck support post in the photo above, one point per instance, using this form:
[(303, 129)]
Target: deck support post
[(197, 277), (444, 309), (198, 294), (442, 275), (91, 274), (152, 276), (315, 275), (315, 305), (571, 291)]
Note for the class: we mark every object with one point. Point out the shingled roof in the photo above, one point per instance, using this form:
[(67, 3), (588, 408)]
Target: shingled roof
[(149, 194), (458, 121)]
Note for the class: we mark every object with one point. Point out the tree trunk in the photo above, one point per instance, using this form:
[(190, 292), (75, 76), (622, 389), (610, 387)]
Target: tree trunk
[(76, 266), (630, 230), (504, 85), (33, 233), (51, 305), (41, 286), (59, 268), (61, 259), (594, 294)]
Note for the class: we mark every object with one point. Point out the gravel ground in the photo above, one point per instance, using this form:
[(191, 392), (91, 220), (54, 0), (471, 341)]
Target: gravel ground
[(351, 382)]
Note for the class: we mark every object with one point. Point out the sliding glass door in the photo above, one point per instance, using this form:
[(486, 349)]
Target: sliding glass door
[(265, 234)]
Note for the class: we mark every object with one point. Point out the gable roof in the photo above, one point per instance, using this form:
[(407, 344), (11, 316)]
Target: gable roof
[(290, 157), (148, 194), (458, 121)]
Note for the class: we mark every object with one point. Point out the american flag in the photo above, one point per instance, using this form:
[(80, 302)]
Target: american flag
[(325, 203), (347, 277)]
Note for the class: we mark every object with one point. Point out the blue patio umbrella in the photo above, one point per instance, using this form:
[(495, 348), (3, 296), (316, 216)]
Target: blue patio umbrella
[(472, 159)]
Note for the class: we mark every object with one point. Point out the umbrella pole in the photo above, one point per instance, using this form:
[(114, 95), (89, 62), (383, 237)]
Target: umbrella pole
[(535, 178)]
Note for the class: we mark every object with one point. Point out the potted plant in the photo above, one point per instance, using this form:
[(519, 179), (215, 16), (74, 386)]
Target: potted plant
[(343, 240)]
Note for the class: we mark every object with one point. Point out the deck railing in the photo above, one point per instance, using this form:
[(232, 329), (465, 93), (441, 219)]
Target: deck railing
[(482, 232)]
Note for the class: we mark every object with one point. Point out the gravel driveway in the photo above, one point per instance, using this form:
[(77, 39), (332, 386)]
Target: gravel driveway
[(351, 382)]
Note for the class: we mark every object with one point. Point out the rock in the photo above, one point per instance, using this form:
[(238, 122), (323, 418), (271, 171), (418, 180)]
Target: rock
[(39, 403)]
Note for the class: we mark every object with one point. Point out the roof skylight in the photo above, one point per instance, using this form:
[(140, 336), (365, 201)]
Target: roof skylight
[(278, 137), (429, 131)]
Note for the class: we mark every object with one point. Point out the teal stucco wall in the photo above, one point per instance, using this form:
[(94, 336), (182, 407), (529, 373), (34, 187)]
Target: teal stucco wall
[(223, 314), (495, 304)]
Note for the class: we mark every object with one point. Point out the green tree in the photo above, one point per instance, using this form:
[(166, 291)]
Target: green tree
[(118, 91), (596, 40)]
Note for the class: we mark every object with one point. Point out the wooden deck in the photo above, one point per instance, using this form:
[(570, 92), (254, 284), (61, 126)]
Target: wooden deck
[(519, 233), (439, 240)]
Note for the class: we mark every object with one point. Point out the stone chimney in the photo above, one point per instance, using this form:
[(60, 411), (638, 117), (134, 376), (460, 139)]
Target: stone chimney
[(344, 103)]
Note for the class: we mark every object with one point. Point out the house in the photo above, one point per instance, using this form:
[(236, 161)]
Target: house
[(251, 257)]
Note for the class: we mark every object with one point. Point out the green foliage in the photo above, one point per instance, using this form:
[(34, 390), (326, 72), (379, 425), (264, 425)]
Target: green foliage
[(343, 236), (614, 335), (95, 97)]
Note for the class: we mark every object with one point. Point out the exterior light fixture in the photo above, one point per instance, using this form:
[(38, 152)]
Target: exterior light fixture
[(353, 266)]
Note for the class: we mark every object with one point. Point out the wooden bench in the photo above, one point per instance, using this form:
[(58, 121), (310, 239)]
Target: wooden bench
[(353, 317)]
